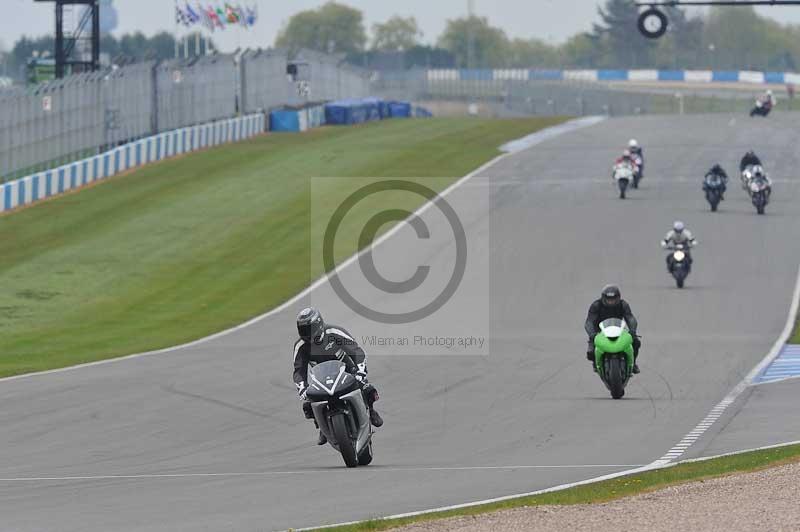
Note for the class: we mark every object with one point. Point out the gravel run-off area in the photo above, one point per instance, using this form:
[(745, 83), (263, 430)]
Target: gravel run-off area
[(767, 500)]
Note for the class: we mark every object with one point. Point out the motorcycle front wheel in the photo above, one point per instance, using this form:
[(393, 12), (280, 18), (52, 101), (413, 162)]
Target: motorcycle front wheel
[(615, 373), (343, 440)]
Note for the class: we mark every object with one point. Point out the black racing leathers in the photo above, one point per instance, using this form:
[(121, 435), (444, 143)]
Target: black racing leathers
[(599, 312), (749, 160)]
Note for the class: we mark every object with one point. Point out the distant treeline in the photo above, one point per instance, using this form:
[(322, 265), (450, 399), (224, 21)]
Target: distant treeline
[(128, 47), (725, 38)]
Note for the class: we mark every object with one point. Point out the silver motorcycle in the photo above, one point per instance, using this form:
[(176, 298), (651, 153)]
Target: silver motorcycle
[(340, 411)]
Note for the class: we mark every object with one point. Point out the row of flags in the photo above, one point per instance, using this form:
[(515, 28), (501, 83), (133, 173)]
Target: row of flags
[(215, 17)]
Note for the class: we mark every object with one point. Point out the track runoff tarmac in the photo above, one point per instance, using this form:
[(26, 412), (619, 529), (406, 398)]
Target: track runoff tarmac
[(211, 436)]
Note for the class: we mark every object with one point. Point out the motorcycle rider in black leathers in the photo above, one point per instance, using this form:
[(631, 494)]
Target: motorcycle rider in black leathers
[(749, 159), (318, 343), (718, 171), (610, 305)]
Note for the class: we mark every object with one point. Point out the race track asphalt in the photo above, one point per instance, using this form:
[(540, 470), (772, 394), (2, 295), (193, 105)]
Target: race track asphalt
[(212, 437)]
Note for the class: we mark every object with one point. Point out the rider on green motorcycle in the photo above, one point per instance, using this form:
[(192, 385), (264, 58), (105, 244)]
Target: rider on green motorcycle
[(610, 305)]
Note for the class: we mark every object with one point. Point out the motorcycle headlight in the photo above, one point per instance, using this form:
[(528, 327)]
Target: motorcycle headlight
[(679, 256)]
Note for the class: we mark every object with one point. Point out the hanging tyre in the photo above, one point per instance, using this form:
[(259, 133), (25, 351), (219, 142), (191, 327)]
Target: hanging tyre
[(652, 23)]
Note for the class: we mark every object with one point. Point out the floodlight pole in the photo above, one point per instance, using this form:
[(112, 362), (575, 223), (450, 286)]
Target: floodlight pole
[(64, 47)]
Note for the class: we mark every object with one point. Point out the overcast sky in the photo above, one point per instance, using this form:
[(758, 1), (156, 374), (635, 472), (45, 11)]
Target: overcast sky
[(550, 20)]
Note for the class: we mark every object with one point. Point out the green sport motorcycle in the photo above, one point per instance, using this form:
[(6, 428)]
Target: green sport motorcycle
[(613, 355)]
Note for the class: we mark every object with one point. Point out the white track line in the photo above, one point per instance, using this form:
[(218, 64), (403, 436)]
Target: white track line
[(695, 434), (562, 487), (373, 471), (532, 140)]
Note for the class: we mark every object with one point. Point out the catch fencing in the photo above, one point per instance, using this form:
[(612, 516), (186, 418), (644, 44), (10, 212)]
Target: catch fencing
[(524, 92), (82, 115)]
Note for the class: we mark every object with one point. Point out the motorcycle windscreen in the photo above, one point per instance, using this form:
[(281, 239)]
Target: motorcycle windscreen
[(613, 327), (330, 377)]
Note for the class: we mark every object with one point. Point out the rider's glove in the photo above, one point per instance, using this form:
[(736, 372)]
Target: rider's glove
[(301, 390)]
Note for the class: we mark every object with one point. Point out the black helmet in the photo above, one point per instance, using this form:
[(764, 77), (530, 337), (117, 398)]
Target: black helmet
[(610, 296), (716, 168), (310, 324)]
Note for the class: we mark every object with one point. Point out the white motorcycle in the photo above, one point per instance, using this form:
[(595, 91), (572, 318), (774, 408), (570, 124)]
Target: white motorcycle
[(624, 174)]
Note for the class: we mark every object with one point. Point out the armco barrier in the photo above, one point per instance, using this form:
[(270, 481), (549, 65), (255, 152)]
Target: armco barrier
[(53, 182)]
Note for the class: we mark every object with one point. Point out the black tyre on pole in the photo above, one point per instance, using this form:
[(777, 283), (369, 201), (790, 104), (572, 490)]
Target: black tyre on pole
[(652, 23)]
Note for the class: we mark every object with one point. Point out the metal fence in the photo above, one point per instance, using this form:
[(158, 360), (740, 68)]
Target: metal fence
[(575, 96), (63, 120)]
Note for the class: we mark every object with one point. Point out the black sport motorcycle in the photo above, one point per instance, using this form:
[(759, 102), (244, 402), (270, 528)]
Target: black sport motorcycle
[(679, 264), (759, 194), (761, 108), (713, 185), (341, 411), (638, 173)]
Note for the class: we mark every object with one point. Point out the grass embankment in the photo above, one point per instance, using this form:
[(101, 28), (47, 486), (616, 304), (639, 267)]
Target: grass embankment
[(186, 247), (612, 489)]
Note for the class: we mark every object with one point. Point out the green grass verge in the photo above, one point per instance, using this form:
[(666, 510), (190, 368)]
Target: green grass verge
[(611, 489), (190, 246)]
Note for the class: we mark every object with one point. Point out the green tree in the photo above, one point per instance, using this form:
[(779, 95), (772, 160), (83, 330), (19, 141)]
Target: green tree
[(618, 32), (397, 33), (682, 46), (474, 39), (332, 28), (581, 51), (525, 53)]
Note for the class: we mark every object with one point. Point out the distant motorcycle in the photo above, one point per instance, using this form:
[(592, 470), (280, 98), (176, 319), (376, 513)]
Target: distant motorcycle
[(760, 191), (679, 264), (613, 355), (638, 172), (713, 185), (623, 176), (761, 108), (340, 411), (746, 177)]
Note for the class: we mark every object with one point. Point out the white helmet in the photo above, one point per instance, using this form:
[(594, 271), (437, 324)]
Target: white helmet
[(678, 226), (633, 144)]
